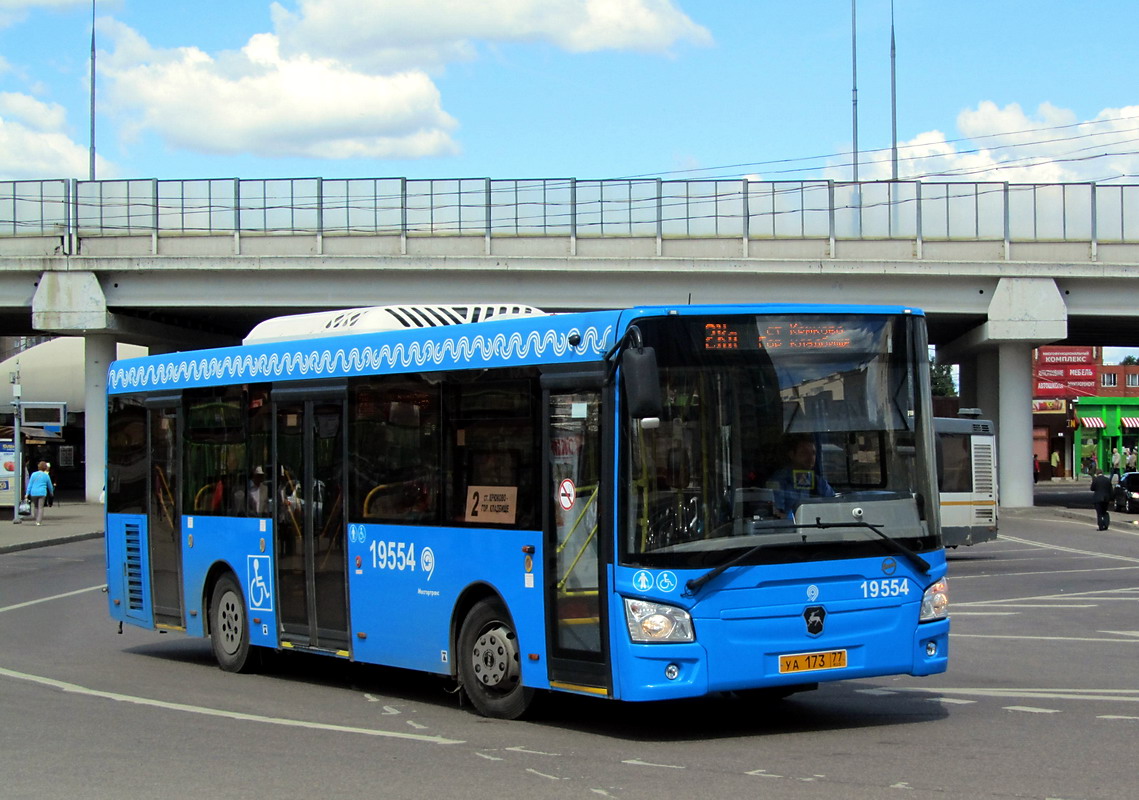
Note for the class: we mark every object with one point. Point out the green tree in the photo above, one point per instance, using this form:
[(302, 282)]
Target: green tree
[(941, 380), (1129, 361)]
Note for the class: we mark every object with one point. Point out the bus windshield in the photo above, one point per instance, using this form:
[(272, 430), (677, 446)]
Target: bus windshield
[(782, 434)]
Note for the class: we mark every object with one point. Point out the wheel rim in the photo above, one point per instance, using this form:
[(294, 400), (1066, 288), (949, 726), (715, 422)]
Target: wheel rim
[(494, 659), (230, 622)]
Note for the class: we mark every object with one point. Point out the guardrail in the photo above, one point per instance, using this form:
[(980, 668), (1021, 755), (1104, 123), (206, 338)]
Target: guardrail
[(570, 207)]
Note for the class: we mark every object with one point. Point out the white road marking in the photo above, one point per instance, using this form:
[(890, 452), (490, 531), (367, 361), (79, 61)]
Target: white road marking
[(219, 712), (1099, 595), (952, 701), (1040, 638), (762, 773), (1033, 710), (636, 762), (542, 774), (489, 757), (1115, 716), (530, 752), (1059, 605), (100, 587), (1111, 695), (1074, 551), (956, 578)]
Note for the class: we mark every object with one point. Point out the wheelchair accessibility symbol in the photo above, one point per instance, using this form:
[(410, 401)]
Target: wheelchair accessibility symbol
[(259, 575)]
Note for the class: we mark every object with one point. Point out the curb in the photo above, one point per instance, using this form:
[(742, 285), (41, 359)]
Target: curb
[(76, 537)]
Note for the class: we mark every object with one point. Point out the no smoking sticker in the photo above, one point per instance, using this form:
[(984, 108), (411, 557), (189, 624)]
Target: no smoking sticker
[(567, 494)]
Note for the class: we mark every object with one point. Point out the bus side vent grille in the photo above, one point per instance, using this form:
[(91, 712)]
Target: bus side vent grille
[(133, 534), (983, 466), (983, 515)]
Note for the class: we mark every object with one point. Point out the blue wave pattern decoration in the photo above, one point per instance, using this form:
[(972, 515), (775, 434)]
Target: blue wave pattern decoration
[(347, 356)]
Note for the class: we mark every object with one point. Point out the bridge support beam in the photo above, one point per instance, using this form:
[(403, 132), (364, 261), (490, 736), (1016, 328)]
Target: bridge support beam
[(98, 353), (1023, 313), (72, 303), (1014, 431)]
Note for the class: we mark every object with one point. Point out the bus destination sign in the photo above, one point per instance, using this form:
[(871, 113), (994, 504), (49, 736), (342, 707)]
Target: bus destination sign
[(741, 335)]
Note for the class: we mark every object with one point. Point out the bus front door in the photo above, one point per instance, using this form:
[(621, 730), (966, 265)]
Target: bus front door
[(576, 531), (310, 534), (163, 514)]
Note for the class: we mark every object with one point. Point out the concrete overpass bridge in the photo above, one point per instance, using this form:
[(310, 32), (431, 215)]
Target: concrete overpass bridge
[(999, 268)]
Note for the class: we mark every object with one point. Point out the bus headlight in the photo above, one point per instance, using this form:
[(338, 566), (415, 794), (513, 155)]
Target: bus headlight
[(935, 601), (656, 622)]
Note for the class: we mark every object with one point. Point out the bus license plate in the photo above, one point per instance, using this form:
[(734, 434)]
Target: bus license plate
[(809, 662)]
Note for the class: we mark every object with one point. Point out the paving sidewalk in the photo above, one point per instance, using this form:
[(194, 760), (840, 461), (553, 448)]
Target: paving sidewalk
[(64, 522)]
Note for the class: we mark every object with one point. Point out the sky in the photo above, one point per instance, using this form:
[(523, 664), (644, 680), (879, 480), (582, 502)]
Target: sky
[(1016, 90)]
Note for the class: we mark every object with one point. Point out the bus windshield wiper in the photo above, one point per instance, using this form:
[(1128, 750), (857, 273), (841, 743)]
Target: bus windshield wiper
[(694, 585)]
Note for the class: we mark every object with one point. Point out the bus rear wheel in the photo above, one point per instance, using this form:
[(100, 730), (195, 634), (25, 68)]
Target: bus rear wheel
[(490, 664), (229, 630)]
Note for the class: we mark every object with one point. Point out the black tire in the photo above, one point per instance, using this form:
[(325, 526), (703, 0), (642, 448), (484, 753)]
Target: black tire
[(229, 627), (490, 663)]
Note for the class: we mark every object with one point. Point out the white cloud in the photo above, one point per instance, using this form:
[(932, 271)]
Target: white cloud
[(1006, 144), (31, 112), (257, 101), (15, 11), (31, 153), (349, 78), (20, 5), (381, 33)]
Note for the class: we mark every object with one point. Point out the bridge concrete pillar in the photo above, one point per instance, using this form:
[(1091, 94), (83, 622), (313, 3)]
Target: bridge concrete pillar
[(98, 353), (988, 384), (979, 376), (1014, 427)]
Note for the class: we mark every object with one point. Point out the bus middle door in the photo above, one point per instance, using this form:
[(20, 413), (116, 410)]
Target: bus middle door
[(310, 534)]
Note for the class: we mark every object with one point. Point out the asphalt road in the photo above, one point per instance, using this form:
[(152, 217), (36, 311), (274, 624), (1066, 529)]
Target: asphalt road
[(1041, 701)]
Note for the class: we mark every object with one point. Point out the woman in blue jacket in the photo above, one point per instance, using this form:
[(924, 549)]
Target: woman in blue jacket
[(39, 487)]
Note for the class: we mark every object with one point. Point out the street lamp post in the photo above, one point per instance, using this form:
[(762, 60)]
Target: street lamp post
[(853, 81), (18, 470), (91, 171)]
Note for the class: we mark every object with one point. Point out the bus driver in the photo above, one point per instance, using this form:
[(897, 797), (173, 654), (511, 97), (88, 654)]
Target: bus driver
[(798, 480)]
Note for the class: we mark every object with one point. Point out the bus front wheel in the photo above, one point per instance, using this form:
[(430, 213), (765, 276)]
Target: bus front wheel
[(490, 664), (229, 631)]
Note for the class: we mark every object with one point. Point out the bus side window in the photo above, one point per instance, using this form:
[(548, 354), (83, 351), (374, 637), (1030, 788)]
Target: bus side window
[(394, 430), (492, 451)]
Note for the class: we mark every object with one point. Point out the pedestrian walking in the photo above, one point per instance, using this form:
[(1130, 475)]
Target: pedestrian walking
[(39, 488), (1129, 459), (1116, 461), (1102, 491)]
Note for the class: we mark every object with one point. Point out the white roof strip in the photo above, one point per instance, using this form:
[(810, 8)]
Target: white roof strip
[(375, 319)]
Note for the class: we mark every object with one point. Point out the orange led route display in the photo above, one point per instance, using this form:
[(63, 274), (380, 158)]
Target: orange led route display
[(743, 335)]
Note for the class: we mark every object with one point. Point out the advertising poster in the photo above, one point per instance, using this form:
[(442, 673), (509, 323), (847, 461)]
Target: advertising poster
[(7, 472)]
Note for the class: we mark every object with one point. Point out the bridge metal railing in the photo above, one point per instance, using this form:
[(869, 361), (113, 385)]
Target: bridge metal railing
[(751, 210)]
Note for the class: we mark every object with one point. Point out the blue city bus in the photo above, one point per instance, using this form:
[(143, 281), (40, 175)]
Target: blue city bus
[(638, 504)]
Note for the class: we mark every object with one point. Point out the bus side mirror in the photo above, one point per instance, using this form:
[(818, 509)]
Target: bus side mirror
[(642, 382)]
